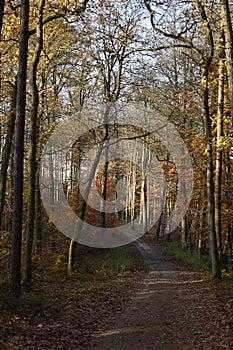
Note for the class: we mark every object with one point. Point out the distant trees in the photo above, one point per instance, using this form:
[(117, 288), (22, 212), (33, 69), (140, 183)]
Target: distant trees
[(106, 37)]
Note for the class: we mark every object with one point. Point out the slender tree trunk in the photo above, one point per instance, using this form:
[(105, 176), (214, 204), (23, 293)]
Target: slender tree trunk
[(133, 187), (183, 234), (218, 168), (71, 257), (158, 227), (143, 192), (17, 215), (2, 5), (104, 183), (206, 63), (216, 271), (104, 196), (73, 242), (38, 214), (228, 248), (227, 26), (82, 211), (6, 151), (33, 150), (201, 227)]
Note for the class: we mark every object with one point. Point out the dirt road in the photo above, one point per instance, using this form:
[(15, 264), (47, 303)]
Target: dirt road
[(167, 313), (170, 306)]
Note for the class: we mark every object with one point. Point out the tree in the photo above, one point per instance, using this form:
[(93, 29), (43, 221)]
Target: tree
[(219, 151), (16, 238), (33, 148), (227, 26), (2, 5), (6, 151), (107, 37), (206, 63), (204, 57)]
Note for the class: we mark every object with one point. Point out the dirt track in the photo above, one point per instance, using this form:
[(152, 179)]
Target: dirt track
[(168, 312)]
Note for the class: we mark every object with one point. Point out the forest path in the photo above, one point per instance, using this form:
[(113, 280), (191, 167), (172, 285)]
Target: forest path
[(160, 315), (172, 306)]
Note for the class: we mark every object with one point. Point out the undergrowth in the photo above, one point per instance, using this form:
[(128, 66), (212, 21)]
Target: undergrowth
[(94, 272), (200, 263), (113, 262)]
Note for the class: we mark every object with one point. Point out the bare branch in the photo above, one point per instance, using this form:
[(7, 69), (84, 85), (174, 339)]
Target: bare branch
[(61, 14)]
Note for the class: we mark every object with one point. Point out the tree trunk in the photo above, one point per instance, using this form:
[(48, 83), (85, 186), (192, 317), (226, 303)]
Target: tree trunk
[(206, 63), (158, 227), (227, 26), (216, 271), (33, 149), (17, 214), (104, 183), (218, 167), (72, 250), (2, 5), (6, 152), (83, 206), (184, 234), (133, 188), (227, 248), (82, 211), (201, 228), (38, 214)]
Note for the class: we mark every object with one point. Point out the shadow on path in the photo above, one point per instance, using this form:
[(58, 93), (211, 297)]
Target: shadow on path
[(154, 318)]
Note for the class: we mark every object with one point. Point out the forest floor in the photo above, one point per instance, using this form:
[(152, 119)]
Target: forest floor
[(174, 308), (161, 304)]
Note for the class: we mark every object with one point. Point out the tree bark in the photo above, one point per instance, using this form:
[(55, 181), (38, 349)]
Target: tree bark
[(216, 272), (2, 6), (206, 63), (6, 151), (228, 249), (17, 214), (82, 210), (33, 149), (218, 166), (104, 183), (38, 214), (227, 26)]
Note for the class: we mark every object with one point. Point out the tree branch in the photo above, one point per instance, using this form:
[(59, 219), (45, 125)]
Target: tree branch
[(188, 43), (61, 14)]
